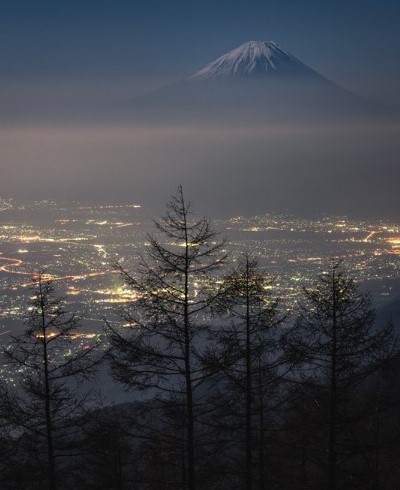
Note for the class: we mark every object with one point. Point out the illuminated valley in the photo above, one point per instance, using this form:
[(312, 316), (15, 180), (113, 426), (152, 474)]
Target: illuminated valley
[(76, 246)]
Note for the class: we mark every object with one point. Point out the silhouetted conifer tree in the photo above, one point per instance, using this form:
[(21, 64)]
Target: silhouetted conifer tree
[(249, 357), (340, 347), (47, 365), (174, 288)]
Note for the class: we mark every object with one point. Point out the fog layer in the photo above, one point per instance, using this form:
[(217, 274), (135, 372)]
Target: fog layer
[(304, 169)]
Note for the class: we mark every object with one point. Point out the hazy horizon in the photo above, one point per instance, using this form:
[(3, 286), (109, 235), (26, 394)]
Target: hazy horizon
[(69, 68)]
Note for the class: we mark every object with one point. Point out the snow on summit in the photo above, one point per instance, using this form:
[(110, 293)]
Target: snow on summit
[(254, 58)]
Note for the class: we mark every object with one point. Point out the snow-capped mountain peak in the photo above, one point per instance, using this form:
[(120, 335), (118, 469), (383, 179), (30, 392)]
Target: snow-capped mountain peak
[(254, 58), (257, 81)]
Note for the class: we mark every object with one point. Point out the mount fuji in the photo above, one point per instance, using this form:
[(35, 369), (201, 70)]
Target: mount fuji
[(255, 60), (257, 81)]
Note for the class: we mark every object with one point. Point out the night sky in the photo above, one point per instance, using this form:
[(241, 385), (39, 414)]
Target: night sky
[(354, 43), (69, 55)]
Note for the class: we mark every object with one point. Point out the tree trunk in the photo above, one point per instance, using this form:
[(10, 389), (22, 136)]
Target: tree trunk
[(333, 394), (49, 425), (249, 462), (188, 378)]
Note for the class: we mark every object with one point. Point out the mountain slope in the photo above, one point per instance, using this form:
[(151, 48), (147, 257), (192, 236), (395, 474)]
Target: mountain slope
[(255, 59), (257, 81)]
